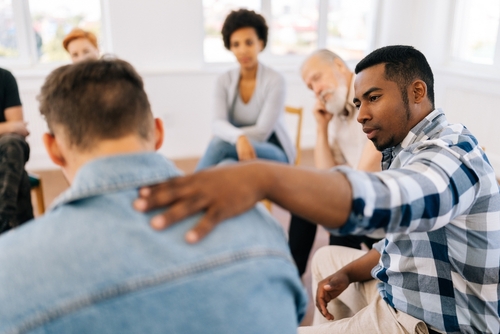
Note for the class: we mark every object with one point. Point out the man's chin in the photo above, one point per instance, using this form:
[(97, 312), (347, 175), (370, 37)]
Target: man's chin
[(379, 146)]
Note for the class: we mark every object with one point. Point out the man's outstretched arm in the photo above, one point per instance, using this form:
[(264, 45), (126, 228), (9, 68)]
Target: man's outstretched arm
[(224, 192)]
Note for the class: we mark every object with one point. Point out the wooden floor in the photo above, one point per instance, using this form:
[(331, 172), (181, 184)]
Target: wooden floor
[(54, 184)]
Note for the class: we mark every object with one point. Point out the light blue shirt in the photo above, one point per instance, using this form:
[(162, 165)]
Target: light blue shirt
[(92, 264)]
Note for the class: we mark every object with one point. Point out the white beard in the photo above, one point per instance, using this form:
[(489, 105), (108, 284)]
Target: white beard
[(337, 101)]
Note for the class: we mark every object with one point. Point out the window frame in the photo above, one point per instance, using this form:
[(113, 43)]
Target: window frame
[(289, 61), (454, 63), (26, 41)]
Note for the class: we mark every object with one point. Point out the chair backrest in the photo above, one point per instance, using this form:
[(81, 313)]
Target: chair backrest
[(298, 112)]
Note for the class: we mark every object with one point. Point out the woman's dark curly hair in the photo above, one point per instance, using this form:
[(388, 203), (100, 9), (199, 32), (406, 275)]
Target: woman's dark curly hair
[(244, 18)]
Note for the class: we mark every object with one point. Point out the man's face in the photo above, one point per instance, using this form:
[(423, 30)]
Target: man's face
[(382, 112), (327, 83)]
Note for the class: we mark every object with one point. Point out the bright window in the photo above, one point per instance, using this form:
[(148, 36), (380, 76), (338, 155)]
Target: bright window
[(8, 34), (294, 26), (32, 31), (297, 27), (349, 27), (476, 31), (53, 19)]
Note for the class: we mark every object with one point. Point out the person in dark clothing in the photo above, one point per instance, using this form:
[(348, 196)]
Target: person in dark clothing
[(15, 198)]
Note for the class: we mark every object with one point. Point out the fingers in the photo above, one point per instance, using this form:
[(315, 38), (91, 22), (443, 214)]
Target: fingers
[(322, 300), (206, 224), (160, 195), (179, 210)]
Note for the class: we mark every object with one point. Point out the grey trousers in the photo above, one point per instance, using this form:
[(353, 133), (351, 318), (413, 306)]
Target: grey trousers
[(15, 196)]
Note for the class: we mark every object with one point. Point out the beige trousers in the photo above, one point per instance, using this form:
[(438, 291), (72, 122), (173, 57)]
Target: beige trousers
[(359, 309)]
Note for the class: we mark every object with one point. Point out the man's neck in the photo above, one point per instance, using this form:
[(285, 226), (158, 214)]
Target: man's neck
[(126, 145)]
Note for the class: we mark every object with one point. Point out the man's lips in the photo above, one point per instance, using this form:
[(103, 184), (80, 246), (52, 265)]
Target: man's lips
[(370, 132)]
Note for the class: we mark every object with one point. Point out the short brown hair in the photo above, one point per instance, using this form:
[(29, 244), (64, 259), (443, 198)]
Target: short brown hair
[(79, 33), (95, 100)]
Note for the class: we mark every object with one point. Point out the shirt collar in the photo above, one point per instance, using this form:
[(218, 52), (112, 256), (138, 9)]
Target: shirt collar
[(115, 173), (424, 130)]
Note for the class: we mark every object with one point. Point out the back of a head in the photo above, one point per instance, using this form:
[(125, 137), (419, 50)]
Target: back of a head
[(403, 65), (96, 100)]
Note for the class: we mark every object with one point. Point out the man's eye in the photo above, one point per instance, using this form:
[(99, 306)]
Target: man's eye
[(357, 105), (374, 98)]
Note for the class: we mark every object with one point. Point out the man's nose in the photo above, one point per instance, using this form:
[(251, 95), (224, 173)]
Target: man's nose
[(362, 115), (316, 89)]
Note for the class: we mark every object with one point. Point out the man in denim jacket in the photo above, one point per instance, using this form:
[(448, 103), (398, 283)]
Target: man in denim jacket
[(92, 264)]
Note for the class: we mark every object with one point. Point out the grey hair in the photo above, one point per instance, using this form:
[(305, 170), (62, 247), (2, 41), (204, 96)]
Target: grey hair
[(325, 55)]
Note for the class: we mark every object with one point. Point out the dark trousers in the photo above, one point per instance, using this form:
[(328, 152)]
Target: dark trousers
[(15, 196), (301, 238)]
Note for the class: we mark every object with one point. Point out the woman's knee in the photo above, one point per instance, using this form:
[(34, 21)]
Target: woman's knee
[(218, 144)]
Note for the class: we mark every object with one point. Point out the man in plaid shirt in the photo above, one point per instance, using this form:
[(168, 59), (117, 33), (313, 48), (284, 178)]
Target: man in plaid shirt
[(437, 199)]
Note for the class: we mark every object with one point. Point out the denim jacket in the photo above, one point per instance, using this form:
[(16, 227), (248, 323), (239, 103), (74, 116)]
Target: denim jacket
[(92, 264)]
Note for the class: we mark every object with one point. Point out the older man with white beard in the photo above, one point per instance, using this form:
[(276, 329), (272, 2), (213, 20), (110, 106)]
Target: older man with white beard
[(340, 141)]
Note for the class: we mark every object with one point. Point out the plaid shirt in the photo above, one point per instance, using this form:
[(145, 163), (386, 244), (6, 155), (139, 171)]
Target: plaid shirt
[(439, 203)]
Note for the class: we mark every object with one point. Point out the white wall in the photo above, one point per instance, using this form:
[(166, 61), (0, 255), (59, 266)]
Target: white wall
[(466, 96), (163, 40)]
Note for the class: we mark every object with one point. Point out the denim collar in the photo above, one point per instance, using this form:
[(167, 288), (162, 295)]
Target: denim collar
[(434, 122), (115, 173)]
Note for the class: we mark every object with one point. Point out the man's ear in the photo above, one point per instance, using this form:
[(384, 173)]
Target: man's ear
[(159, 133), (419, 91), (53, 149)]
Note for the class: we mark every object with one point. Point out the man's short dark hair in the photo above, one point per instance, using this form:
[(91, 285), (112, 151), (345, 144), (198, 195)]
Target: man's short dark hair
[(403, 65), (96, 100), (244, 18)]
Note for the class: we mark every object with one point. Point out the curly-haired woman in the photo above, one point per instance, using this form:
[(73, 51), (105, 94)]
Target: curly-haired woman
[(249, 100)]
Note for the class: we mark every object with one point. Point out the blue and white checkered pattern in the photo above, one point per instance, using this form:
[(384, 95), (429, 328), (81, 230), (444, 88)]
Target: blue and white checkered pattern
[(438, 202)]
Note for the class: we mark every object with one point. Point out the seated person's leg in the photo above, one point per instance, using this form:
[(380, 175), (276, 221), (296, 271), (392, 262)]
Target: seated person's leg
[(269, 151), (327, 261), (226, 162), (301, 236), (359, 309), (217, 151), (15, 198)]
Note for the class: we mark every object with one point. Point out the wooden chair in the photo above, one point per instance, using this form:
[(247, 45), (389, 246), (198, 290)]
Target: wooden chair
[(298, 112), (36, 187)]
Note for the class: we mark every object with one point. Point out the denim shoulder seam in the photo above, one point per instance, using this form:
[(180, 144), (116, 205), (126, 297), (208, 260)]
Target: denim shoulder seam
[(70, 306)]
